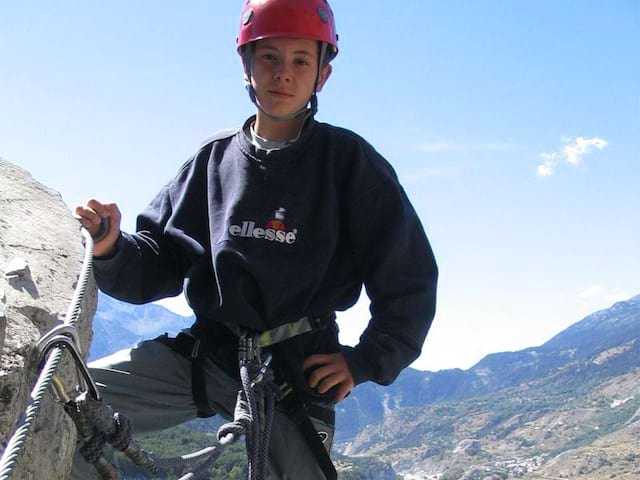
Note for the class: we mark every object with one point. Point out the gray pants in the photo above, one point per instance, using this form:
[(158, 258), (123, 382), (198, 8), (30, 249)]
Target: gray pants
[(151, 384)]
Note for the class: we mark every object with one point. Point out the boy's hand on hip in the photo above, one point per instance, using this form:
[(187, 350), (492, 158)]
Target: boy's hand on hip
[(331, 371)]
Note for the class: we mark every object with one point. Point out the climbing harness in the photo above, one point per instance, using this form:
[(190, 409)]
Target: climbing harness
[(250, 350), (289, 400)]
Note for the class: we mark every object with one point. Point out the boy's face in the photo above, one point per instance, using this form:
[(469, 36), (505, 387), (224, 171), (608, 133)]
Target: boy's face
[(284, 73)]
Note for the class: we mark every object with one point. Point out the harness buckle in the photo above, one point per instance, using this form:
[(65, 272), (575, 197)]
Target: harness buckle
[(185, 342), (249, 349)]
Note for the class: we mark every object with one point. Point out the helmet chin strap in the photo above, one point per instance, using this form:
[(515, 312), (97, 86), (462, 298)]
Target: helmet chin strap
[(313, 101)]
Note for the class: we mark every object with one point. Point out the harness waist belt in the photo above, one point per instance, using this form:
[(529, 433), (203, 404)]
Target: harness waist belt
[(293, 329)]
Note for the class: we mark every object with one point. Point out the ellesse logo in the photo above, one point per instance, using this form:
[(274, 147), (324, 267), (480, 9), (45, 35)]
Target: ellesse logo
[(275, 230)]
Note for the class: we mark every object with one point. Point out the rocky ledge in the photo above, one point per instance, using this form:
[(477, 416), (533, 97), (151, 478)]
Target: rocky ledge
[(40, 260)]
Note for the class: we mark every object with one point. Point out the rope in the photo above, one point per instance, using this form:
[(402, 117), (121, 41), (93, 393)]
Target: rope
[(253, 418), (253, 415), (98, 425), (16, 443)]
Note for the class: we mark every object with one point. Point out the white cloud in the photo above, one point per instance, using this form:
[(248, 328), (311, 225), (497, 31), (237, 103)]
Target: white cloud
[(571, 153), (546, 169), (582, 146), (590, 292)]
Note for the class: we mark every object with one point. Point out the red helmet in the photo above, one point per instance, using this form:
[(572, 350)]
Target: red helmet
[(288, 18)]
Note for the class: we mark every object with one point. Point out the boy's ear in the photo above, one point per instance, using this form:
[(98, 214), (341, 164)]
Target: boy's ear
[(325, 73), (245, 65)]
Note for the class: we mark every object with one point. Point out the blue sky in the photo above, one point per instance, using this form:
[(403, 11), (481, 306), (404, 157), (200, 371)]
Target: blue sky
[(514, 127)]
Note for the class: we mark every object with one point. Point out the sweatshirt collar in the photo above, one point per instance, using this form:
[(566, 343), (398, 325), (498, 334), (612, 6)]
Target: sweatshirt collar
[(267, 151)]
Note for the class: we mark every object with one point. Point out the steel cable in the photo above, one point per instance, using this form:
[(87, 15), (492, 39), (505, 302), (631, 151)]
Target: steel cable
[(16, 443)]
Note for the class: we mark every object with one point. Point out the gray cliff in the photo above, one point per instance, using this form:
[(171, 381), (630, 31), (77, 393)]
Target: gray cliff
[(40, 261)]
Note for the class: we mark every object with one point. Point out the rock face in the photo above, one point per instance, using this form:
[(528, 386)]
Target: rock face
[(468, 446), (40, 261)]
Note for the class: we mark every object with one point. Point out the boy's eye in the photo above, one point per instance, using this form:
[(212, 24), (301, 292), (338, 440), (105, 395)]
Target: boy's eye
[(267, 56)]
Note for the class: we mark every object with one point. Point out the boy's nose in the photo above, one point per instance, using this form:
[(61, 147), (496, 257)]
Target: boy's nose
[(282, 72)]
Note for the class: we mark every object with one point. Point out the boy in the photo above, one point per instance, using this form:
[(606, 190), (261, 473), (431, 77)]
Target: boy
[(280, 221)]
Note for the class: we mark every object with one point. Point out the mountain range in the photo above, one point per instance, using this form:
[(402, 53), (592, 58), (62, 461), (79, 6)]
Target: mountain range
[(601, 331), (569, 408), (119, 325)]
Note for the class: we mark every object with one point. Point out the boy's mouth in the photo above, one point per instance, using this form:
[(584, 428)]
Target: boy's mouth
[(280, 94)]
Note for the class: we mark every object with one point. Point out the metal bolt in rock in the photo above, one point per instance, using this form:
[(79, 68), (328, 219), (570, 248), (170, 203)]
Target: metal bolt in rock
[(18, 267)]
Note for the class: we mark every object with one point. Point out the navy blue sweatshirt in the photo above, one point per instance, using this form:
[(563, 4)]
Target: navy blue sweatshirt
[(258, 240)]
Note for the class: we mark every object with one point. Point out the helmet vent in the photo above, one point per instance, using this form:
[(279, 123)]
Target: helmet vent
[(324, 16), (246, 18)]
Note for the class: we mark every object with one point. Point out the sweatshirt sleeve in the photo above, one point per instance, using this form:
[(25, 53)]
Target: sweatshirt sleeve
[(146, 265), (400, 276)]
